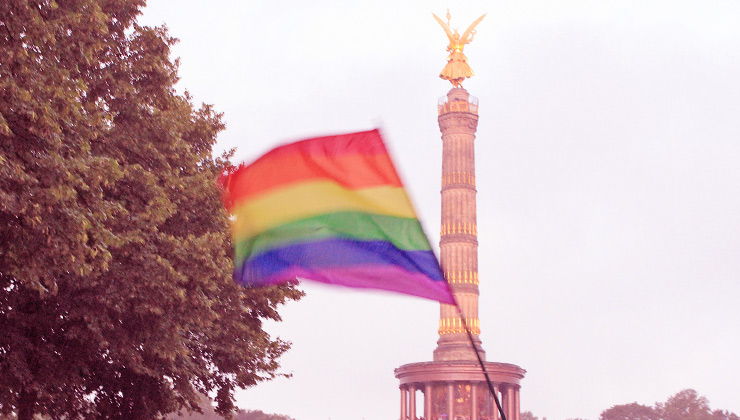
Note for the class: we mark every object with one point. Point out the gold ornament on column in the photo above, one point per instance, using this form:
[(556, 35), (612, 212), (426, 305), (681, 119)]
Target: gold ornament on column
[(457, 68)]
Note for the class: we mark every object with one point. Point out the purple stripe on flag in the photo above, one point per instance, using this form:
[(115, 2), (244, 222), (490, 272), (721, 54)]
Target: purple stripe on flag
[(350, 262), (384, 277), (339, 252)]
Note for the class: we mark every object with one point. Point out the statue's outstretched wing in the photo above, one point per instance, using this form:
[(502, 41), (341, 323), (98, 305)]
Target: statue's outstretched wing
[(445, 27), (470, 28)]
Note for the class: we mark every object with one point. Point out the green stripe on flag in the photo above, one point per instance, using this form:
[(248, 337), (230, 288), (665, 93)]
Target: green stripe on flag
[(404, 233)]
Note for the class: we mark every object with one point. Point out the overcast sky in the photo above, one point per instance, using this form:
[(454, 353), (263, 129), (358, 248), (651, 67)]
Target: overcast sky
[(608, 169)]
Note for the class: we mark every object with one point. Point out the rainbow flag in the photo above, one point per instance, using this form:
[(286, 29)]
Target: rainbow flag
[(333, 210)]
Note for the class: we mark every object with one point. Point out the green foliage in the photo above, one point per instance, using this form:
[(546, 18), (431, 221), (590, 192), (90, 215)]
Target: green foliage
[(208, 413), (116, 298), (684, 405), (724, 415), (527, 415), (633, 411), (259, 415)]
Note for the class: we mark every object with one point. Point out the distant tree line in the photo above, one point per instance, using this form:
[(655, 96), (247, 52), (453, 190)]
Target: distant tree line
[(684, 405), (210, 414), (259, 415)]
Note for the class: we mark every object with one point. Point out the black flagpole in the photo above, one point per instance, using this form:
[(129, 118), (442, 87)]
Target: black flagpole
[(480, 360)]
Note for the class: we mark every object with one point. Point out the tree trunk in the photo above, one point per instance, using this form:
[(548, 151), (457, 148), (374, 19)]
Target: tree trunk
[(26, 405)]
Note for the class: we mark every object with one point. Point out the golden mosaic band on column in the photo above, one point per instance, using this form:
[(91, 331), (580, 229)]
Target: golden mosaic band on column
[(459, 227), (458, 178), (455, 326), (462, 277)]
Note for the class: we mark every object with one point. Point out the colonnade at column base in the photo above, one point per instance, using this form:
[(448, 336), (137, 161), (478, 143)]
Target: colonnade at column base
[(457, 390)]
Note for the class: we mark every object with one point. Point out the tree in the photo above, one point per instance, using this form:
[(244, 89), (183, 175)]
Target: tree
[(527, 415), (116, 298), (724, 415), (259, 415), (685, 405), (633, 411), (210, 414)]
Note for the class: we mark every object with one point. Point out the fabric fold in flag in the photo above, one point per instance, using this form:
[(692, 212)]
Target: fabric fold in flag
[(333, 210)]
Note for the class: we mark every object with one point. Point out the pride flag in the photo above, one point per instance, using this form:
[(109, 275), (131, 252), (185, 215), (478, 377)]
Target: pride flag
[(333, 210)]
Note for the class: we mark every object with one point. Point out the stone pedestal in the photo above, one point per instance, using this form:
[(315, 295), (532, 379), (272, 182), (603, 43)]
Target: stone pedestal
[(458, 390)]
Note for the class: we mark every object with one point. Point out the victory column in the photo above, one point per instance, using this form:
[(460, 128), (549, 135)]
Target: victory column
[(453, 385)]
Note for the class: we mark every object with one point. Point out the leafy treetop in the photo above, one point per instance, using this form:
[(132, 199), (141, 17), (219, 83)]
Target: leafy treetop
[(116, 298)]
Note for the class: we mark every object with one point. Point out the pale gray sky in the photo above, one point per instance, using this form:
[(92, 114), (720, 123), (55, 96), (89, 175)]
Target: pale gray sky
[(608, 169)]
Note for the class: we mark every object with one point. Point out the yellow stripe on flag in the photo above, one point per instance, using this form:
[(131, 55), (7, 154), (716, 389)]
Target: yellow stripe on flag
[(308, 199)]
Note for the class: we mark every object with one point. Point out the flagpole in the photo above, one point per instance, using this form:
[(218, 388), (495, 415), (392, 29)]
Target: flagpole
[(480, 361)]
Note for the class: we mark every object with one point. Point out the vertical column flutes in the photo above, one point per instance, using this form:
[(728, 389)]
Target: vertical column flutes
[(458, 121)]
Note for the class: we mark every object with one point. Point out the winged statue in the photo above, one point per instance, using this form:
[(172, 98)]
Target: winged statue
[(457, 68)]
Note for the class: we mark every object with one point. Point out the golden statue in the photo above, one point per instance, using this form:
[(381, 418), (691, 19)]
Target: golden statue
[(457, 68)]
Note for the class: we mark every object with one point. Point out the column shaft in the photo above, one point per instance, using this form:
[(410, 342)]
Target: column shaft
[(412, 402), (451, 401), (474, 402), (458, 247), (428, 401), (403, 403), (496, 413), (505, 400), (510, 403)]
